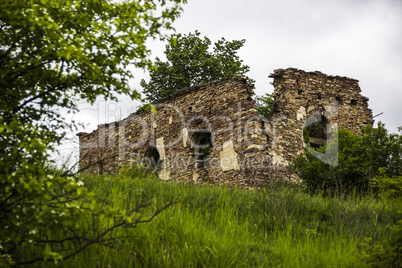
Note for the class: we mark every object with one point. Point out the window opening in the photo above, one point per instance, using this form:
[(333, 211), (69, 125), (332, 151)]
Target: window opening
[(316, 134), (153, 158), (202, 144)]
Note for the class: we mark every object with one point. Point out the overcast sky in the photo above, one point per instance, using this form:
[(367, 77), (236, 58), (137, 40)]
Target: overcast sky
[(353, 38), (360, 39)]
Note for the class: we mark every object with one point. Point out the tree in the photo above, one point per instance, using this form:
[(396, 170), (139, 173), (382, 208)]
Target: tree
[(361, 160), (51, 54), (190, 62)]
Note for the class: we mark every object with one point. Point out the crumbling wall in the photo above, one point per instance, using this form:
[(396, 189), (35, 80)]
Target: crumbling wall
[(223, 109), (213, 132), (300, 96)]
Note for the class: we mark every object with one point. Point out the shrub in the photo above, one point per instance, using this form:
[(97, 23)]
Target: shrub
[(388, 254), (360, 158), (390, 186)]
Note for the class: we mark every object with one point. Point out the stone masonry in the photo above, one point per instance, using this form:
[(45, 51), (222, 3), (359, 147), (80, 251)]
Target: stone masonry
[(301, 95), (213, 132)]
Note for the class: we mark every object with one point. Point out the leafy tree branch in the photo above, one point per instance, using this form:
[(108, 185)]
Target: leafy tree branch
[(51, 54)]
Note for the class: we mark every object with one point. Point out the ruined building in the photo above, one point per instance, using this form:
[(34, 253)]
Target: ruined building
[(213, 132)]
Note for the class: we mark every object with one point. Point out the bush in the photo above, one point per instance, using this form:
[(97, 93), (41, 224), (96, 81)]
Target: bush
[(390, 186), (359, 159), (388, 254)]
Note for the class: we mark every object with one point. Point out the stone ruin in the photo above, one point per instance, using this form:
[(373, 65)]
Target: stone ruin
[(214, 133)]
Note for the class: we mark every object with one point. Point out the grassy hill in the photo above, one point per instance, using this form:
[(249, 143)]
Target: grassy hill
[(208, 226)]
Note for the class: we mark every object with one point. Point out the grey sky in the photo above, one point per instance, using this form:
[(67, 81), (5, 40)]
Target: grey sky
[(361, 39)]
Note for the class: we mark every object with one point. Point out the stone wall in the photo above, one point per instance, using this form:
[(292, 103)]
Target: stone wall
[(223, 109), (213, 132), (302, 97)]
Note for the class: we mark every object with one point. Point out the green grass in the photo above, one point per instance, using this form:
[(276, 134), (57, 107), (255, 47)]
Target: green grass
[(278, 226)]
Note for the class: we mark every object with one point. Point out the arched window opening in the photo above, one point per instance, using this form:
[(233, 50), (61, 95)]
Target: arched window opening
[(316, 134), (202, 144), (152, 158)]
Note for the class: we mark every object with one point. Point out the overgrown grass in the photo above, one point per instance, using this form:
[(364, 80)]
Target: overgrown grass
[(211, 226)]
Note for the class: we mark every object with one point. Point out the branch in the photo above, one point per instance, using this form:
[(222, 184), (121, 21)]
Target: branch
[(32, 99), (98, 238), (3, 56)]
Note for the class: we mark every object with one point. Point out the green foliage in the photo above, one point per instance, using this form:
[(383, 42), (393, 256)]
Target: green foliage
[(190, 62), (60, 217), (212, 226), (265, 104), (391, 186), (388, 254), (360, 158), (53, 53)]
